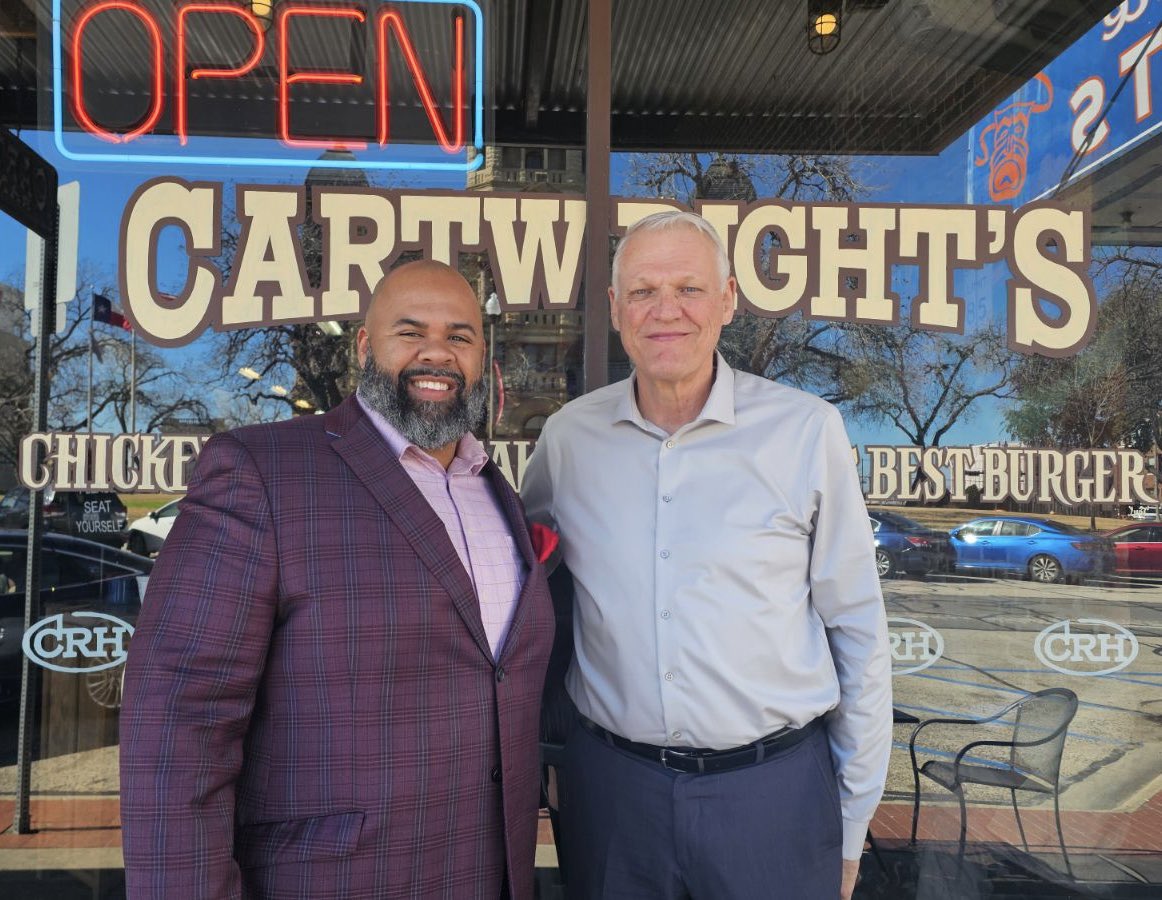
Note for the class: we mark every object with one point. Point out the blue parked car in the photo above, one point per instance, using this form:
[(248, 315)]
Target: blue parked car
[(907, 547), (1045, 550)]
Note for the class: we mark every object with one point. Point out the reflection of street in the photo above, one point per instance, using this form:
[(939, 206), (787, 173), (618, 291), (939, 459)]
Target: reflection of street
[(76, 822), (990, 632)]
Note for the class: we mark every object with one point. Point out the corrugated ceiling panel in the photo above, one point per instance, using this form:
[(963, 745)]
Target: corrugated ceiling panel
[(711, 74)]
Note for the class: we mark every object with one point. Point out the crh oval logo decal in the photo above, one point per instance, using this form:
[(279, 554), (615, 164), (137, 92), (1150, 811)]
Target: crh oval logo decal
[(78, 642), (1098, 647), (914, 645)]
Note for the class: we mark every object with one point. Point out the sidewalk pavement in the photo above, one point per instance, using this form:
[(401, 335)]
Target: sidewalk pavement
[(76, 832)]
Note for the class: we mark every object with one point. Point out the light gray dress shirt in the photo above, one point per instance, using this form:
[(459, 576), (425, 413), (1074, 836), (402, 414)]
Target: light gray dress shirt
[(725, 576)]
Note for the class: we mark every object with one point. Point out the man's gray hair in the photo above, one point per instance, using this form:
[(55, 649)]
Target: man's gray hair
[(665, 221)]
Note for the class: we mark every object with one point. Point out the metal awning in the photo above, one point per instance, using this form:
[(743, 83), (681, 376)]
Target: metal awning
[(909, 76)]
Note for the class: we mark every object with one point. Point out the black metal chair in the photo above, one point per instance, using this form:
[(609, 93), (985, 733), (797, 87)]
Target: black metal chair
[(1037, 731), (899, 717)]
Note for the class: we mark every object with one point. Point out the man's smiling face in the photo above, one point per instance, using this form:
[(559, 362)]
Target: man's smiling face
[(670, 304), (422, 354)]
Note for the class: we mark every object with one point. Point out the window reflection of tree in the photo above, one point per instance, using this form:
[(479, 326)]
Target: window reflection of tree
[(1109, 394)]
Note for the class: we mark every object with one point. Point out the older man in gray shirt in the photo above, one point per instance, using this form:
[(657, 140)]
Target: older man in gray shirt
[(731, 664)]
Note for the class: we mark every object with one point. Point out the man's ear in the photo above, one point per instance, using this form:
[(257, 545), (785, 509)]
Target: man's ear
[(729, 299), (361, 341), (613, 311)]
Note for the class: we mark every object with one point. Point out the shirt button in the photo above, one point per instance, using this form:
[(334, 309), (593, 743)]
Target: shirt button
[(669, 676), (665, 614), (676, 735), (665, 554), (666, 498), (500, 674), (669, 445)]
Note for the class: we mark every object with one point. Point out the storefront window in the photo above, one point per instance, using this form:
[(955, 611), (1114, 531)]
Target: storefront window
[(1012, 482)]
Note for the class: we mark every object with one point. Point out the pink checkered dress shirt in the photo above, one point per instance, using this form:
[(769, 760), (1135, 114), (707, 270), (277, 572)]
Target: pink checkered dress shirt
[(475, 522)]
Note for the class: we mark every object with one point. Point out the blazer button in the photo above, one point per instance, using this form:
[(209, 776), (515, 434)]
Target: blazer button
[(500, 674), (495, 774)]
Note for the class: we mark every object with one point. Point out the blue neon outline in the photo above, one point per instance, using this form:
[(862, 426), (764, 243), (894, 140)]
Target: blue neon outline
[(230, 161)]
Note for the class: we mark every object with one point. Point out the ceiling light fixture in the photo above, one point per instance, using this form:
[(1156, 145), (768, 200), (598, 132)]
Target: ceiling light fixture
[(264, 11), (824, 25)]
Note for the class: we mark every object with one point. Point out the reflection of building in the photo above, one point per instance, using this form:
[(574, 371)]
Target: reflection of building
[(530, 169), (539, 352), (724, 179)]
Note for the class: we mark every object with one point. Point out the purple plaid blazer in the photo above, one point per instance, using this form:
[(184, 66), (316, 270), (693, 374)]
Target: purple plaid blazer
[(311, 708)]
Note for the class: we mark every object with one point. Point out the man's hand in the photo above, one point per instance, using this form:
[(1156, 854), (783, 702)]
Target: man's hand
[(850, 874)]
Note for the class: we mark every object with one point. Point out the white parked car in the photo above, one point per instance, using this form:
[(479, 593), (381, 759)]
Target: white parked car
[(147, 534)]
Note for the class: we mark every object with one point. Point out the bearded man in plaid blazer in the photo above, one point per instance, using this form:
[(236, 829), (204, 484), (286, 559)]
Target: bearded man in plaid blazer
[(334, 686)]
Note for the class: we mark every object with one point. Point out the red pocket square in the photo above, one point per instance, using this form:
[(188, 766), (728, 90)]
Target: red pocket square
[(544, 539)]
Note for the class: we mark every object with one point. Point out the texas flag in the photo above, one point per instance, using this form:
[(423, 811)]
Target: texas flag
[(103, 311)]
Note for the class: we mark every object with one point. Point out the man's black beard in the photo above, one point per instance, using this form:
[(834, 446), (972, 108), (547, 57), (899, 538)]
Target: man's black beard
[(429, 424)]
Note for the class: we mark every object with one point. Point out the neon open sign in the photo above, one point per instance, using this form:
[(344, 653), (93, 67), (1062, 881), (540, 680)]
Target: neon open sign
[(375, 81)]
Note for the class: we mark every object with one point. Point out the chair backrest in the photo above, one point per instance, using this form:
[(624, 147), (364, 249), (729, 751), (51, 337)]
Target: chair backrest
[(1042, 724)]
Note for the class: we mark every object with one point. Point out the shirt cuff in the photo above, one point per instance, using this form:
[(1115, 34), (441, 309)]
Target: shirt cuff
[(854, 836)]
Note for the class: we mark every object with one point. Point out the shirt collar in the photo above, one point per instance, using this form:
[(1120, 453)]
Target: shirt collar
[(719, 406), (471, 456)]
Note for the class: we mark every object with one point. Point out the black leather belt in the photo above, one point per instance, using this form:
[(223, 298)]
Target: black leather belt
[(701, 762)]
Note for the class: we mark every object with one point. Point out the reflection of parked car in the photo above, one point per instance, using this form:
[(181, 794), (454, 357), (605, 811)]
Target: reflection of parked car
[(147, 534), (95, 515), (904, 546), (76, 576), (1137, 549), (1043, 549)]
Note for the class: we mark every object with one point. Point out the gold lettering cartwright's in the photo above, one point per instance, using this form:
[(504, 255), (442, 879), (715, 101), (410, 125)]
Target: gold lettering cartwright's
[(833, 261)]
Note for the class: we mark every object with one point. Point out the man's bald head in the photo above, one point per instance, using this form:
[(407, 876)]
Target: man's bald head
[(421, 279)]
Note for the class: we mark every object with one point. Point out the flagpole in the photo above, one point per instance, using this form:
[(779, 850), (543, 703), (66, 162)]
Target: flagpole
[(132, 382), (92, 337)]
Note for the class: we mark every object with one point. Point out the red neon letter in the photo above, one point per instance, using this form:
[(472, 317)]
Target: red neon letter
[(389, 19), (285, 80), (180, 80), (79, 111)]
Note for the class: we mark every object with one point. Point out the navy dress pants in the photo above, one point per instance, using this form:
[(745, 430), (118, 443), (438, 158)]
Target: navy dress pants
[(635, 830)]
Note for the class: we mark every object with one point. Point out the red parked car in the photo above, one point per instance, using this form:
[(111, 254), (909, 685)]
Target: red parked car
[(1137, 549)]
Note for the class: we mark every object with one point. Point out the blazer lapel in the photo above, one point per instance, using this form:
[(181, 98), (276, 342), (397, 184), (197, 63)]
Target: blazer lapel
[(362, 447), (518, 524)]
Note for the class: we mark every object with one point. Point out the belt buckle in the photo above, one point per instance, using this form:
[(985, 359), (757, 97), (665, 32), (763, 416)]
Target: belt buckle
[(668, 752)]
